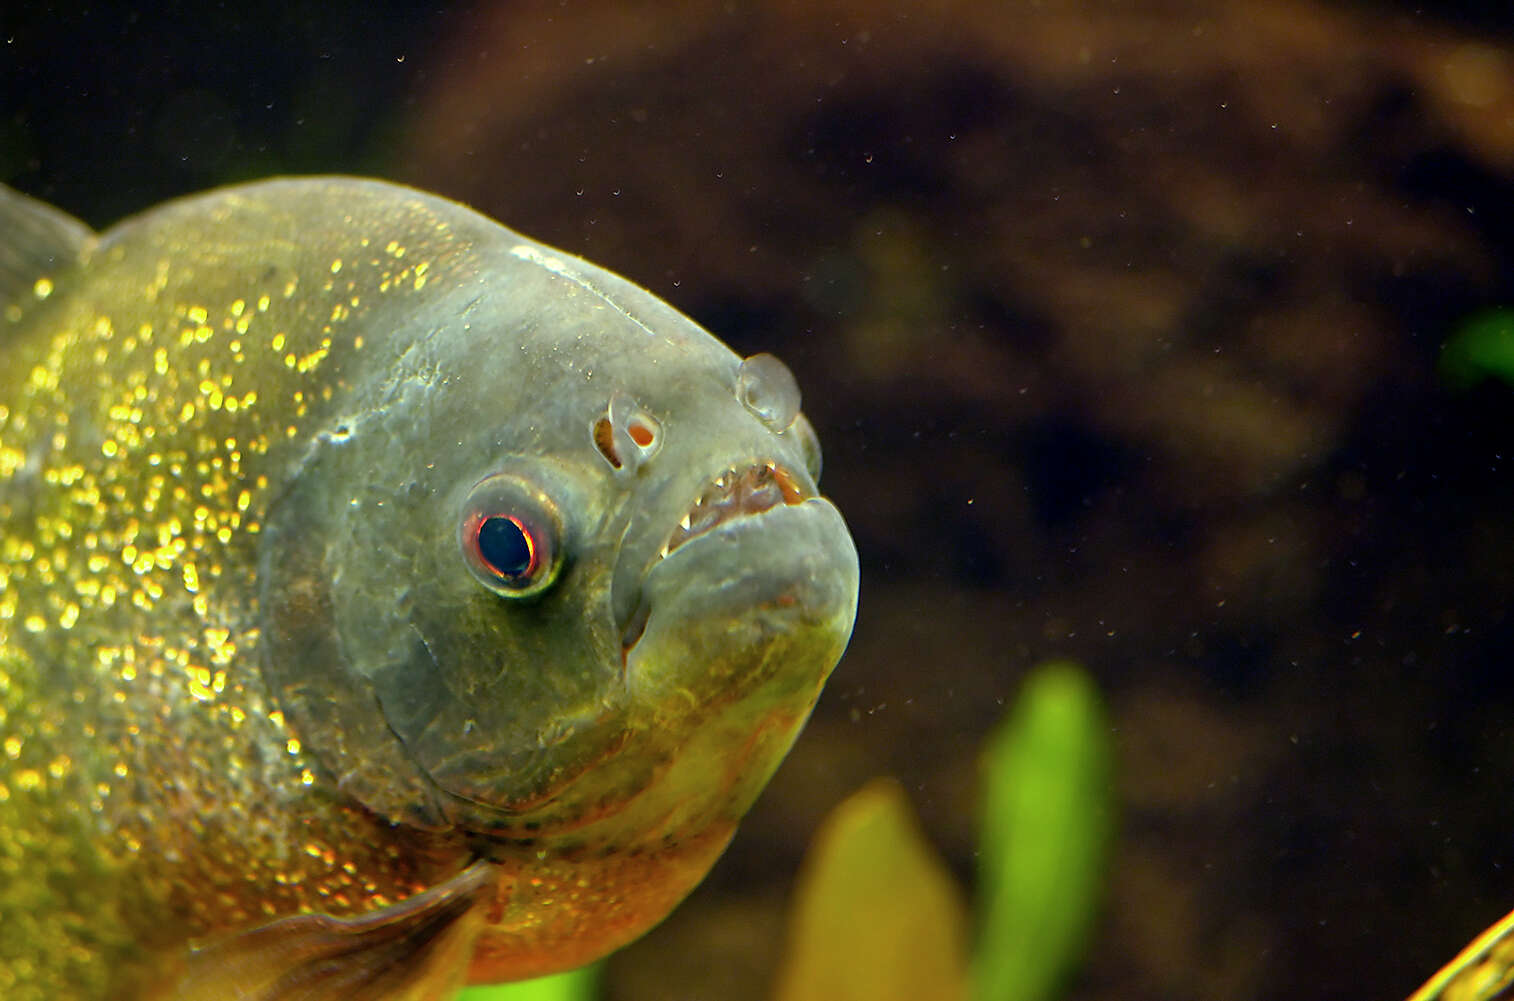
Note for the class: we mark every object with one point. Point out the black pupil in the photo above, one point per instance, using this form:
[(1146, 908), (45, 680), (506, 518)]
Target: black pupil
[(504, 546)]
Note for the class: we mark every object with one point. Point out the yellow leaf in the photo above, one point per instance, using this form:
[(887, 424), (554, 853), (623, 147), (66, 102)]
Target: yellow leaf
[(876, 916)]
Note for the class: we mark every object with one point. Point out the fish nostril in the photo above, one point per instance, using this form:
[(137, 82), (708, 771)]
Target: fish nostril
[(626, 435), (642, 434), (604, 440)]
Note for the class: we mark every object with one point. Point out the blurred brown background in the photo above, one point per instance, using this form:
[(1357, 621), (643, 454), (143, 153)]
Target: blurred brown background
[(1119, 324)]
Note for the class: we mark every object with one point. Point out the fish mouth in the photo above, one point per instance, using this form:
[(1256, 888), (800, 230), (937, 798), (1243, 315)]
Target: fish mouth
[(736, 493), (740, 491)]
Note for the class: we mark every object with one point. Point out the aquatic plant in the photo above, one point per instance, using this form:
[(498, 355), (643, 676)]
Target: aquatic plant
[(576, 985), (878, 917), (1048, 812), (876, 914), (1481, 347)]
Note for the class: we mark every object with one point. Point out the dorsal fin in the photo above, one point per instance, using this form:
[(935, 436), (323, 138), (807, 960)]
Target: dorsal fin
[(35, 240)]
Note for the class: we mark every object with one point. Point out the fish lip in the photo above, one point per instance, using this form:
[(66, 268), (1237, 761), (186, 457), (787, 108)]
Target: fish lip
[(745, 488), (788, 570), (726, 531)]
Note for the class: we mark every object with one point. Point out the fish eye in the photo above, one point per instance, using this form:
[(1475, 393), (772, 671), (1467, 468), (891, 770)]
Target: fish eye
[(508, 546), (511, 534)]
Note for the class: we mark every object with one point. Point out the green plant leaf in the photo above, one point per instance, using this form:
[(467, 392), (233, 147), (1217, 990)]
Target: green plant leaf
[(876, 916), (575, 985), (1047, 816), (1481, 347)]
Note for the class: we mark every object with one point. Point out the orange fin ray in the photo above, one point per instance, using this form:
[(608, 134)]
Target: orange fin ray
[(416, 950)]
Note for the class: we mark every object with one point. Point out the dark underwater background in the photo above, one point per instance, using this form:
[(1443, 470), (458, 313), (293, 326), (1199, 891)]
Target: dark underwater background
[(1120, 326)]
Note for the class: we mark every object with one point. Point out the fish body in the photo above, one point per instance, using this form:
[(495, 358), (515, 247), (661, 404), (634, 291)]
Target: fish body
[(388, 601)]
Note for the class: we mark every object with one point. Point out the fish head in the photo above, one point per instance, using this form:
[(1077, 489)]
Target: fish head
[(560, 573)]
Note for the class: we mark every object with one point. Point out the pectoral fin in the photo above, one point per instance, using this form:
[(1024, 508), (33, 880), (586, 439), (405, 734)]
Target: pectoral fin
[(416, 950)]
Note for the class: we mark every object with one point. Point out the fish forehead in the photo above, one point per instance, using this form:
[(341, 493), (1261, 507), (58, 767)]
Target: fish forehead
[(381, 237), (564, 336), (437, 289)]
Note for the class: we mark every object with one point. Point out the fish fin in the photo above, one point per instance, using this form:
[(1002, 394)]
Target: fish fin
[(35, 241), (416, 950)]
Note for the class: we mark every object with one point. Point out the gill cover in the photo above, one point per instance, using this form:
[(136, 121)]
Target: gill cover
[(435, 637)]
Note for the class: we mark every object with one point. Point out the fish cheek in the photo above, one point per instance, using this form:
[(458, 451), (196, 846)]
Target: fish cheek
[(331, 706)]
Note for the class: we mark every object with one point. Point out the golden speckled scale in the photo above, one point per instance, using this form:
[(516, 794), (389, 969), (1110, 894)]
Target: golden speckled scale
[(388, 601)]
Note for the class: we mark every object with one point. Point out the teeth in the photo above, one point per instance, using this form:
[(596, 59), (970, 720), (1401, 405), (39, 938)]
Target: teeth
[(735, 493)]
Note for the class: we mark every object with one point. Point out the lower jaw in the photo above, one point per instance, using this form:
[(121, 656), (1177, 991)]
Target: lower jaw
[(569, 906)]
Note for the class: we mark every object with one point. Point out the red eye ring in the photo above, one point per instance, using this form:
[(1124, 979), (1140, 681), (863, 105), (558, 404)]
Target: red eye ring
[(507, 546), (510, 536)]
